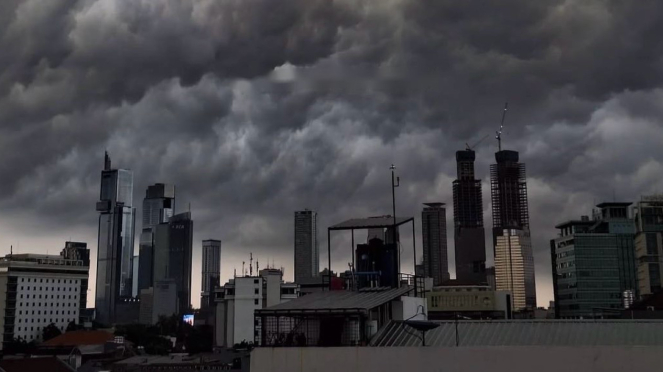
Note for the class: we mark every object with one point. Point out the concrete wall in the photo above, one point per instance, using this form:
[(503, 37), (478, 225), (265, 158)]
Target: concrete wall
[(466, 359)]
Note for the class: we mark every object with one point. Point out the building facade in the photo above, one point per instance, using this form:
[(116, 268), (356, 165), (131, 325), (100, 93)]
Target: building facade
[(468, 302), (514, 260), (173, 251), (211, 275), (115, 241), (39, 290), (593, 264), (434, 236), (307, 252), (158, 300), (237, 300), (158, 208), (649, 244), (469, 233)]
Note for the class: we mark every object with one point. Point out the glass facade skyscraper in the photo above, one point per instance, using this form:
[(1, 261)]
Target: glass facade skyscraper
[(115, 241), (514, 260), (211, 269), (434, 235), (593, 264), (158, 207), (307, 254)]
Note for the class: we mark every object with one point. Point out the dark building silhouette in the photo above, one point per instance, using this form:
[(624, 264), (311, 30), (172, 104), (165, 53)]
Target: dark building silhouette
[(469, 233), (434, 235), (307, 252), (514, 261), (376, 264), (173, 249), (115, 241), (211, 273)]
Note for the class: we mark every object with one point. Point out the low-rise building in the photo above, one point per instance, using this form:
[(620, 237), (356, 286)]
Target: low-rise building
[(467, 301), (237, 300), (159, 300)]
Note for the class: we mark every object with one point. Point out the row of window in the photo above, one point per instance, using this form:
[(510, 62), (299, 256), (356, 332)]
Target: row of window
[(56, 296), (66, 289), (26, 312), (39, 328), (32, 320), (34, 280)]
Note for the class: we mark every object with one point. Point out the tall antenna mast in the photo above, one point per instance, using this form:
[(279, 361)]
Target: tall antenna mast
[(498, 134), (251, 264)]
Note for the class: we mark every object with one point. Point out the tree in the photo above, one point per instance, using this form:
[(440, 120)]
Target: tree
[(50, 331), (72, 326)]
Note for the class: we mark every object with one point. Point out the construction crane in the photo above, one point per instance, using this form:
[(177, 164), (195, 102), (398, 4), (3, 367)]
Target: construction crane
[(498, 134), (468, 147)]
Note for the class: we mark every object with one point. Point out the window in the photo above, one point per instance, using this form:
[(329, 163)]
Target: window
[(257, 291), (256, 301), (256, 281)]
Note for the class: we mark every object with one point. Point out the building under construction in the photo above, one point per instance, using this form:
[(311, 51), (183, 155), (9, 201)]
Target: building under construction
[(469, 234), (514, 261)]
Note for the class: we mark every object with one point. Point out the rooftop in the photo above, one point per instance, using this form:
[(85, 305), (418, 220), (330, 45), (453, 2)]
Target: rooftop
[(79, 338), (613, 204), (527, 333), (574, 223), (341, 301), (50, 364), (370, 223)]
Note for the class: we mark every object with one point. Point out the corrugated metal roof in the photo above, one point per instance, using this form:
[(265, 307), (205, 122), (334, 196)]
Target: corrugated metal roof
[(527, 333), (370, 222), (340, 300)]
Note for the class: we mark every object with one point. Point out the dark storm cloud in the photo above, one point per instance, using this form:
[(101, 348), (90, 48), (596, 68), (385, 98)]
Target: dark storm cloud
[(257, 108)]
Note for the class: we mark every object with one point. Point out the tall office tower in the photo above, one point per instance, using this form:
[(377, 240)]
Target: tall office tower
[(649, 244), (116, 240), (211, 277), (469, 234), (514, 261), (134, 274), (158, 207), (173, 249), (307, 254), (434, 235), (593, 264)]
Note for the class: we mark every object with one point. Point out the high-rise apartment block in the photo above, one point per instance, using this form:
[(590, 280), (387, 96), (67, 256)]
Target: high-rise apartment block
[(307, 253), (158, 207), (211, 270), (115, 242), (649, 243), (469, 234), (173, 250), (40, 290), (514, 260), (434, 235), (593, 263)]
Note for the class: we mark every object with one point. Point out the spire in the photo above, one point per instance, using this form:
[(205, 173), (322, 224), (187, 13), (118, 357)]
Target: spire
[(107, 161)]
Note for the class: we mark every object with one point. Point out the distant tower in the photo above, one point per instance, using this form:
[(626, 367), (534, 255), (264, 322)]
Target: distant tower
[(211, 275), (469, 234), (514, 261), (307, 254), (115, 240), (158, 207), (434, 233)]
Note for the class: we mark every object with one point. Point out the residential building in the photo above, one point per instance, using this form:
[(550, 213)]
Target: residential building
[(649, 244), (593, 263), (158, 208), (238, 299), (434, 236), (465, 300), (307, 252), (469, 233), (514, 260), (211, 270), (40, 290), (173, 250), (115, 241)]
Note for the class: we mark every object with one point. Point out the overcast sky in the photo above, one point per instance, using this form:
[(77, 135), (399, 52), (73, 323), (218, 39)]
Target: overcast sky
[(256, 108)]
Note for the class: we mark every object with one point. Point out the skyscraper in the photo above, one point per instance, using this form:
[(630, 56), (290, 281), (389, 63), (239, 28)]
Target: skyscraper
[(211, 269), (469, 234), (158, 207), (649, 244), (434, 235), (116, 240), (173, 249), (307, 254), (514, 261), (593, 264)]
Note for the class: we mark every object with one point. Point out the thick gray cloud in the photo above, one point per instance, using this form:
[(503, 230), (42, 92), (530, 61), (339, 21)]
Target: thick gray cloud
[(255, 109)]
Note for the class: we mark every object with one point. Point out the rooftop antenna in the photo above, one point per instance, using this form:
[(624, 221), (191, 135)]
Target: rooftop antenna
[(243, 270), (235, 272), (257, 267), (251, 264), (498, 134), (11, 250)]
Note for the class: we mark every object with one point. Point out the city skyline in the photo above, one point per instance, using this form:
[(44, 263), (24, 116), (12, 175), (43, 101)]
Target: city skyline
[(309, 109)]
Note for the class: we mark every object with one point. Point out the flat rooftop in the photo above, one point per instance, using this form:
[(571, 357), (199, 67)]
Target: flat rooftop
[(370, 223)]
